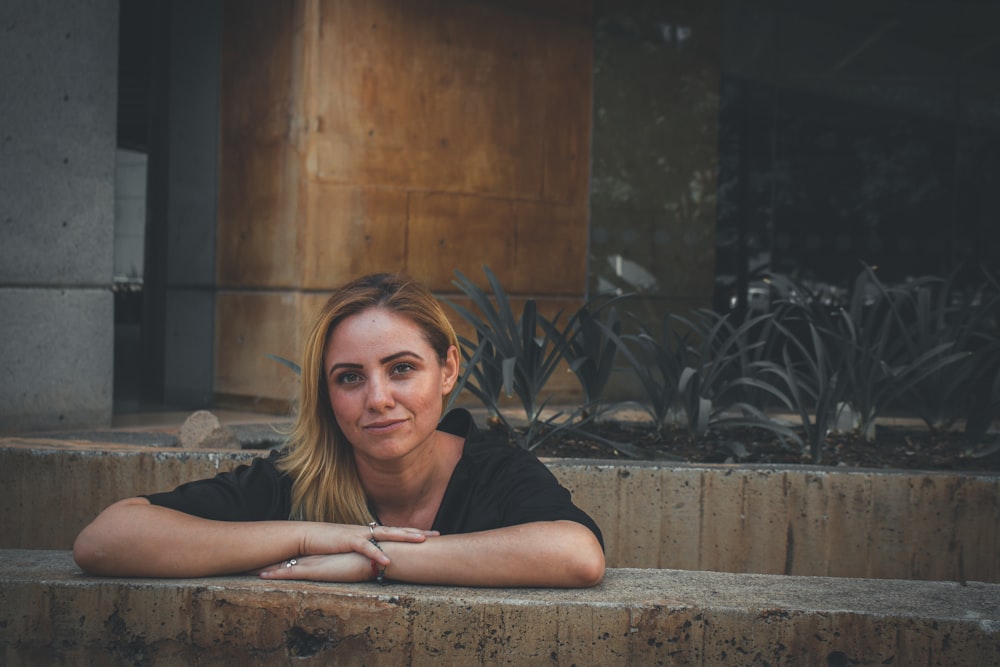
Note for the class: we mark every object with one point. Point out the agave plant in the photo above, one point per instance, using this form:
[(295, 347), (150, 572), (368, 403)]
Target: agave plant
[(877, 365), (985, 408), (809, 373), (515, 354), (866, 345), (713, 381), (942, 315), (656, 362), (695, 374), (592, 343), (488, 376), (287, 363)]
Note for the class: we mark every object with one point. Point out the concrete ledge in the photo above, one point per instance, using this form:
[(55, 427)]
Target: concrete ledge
[(795, 520), (50, 613)]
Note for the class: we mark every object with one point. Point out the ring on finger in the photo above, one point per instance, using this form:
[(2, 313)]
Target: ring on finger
[(371, 527), (290, 562)]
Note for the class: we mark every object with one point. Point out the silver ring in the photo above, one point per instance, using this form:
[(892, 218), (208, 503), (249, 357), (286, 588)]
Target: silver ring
[(290, 562), (371, 527)]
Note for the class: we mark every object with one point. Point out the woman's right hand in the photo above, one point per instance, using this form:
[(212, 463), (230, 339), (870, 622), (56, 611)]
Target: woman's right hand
[(323, 539), (340, 568)]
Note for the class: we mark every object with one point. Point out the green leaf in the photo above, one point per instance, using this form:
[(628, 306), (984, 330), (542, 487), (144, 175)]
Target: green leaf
[(509, 364), (286, 362)]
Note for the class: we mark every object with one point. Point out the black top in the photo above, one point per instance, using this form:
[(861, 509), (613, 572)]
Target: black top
[(494, 485)]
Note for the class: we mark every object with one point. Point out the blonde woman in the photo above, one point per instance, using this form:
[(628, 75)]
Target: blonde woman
[(373, 484)]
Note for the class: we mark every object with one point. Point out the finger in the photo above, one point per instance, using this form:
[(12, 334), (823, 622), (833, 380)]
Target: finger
[(392, 534), (286, 569), (372, 551)]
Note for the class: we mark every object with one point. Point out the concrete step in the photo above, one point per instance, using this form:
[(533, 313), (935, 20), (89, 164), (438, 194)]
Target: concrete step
[(52, 614)]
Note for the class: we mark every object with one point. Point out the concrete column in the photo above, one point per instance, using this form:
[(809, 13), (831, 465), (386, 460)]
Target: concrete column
[(58, 68)]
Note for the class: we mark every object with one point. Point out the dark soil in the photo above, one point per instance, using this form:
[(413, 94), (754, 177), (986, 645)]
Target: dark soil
[(895, 447)]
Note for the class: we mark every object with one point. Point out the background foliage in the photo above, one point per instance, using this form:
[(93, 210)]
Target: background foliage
[(801, 367)]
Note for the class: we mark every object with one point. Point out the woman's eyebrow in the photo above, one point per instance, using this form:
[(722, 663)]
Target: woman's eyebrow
[(383, 360), (398, 355), (339, 366)]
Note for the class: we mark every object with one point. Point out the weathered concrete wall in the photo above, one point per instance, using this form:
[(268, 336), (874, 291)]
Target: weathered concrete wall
[(794, 520), (58, 65), (49, 494), (51, 614)]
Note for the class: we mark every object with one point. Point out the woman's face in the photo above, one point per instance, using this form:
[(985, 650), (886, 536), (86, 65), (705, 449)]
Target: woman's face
[(386, 383)]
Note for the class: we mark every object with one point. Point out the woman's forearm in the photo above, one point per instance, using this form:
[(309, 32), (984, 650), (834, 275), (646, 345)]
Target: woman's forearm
[(135, 538), (547, 554)]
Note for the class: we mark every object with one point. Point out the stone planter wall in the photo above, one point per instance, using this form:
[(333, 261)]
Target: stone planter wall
[(790, 520)]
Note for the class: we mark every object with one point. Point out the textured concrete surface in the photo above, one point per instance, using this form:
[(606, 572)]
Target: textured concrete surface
[(50, 613), (792, 520), (56, 358), (58, 65)]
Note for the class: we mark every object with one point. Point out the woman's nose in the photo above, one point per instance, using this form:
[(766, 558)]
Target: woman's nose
[(379, 394)]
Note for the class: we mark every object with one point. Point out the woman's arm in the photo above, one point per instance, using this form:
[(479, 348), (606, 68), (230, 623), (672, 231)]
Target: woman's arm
[(134, 538), (558, 554)]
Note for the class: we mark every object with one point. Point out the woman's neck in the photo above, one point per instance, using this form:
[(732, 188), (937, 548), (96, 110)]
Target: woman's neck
[(408, 492)]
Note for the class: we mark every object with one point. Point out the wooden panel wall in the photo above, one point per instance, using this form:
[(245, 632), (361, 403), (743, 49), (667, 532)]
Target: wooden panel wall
[(391, 135)]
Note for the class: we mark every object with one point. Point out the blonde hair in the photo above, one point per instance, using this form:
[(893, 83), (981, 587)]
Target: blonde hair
[(325, 483)]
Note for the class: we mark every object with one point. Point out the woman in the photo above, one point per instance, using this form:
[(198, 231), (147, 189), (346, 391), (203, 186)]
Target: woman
[(371, 485)]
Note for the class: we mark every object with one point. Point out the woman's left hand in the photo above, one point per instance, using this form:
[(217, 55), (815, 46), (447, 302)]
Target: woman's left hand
[(344, 568)]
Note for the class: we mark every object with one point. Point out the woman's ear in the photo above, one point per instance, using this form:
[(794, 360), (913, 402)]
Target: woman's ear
[(449, 370)]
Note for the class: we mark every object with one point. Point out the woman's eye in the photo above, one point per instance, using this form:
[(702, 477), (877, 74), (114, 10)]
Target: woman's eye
[(348, 378), (402, 368)]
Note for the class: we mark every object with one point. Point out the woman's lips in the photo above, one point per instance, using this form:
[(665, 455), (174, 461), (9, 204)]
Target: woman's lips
[(384, 426)]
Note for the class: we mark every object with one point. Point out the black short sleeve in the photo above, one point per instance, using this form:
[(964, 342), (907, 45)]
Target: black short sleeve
[(254, 492), (494, 485), (497, 485)]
